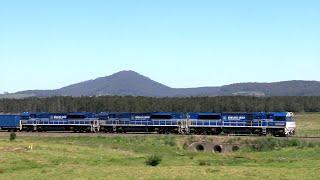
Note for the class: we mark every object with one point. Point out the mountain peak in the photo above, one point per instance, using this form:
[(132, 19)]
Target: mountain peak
[(128, 75), (126, 72), (126, 82)]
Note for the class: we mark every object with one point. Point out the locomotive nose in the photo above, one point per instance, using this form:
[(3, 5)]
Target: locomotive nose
[(290, 128)]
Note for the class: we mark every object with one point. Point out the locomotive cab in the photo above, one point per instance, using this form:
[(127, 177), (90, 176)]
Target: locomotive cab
[(285, 120), (290, 124)]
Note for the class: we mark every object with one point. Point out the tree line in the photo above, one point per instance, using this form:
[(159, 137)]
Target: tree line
[(153, 104)]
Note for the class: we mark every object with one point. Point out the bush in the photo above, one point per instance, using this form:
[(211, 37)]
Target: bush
[(311, 145), (204, 163), (268, 144), (185, 145), (170, 141), (153, 160), (13, 136)]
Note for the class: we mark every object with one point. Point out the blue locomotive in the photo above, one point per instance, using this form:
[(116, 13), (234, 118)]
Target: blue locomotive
[(261, 123), (77, 122), (161, 122), (275, 123)]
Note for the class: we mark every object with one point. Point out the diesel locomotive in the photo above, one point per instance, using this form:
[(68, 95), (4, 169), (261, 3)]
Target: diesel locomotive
[(206, 123)]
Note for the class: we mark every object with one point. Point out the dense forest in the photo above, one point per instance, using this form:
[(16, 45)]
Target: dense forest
[(149, 104)]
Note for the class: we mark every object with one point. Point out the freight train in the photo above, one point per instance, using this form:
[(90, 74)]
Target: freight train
[(206, 123)]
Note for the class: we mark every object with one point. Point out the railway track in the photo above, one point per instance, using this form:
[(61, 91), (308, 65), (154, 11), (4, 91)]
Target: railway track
[(72, 134), (305, 137)]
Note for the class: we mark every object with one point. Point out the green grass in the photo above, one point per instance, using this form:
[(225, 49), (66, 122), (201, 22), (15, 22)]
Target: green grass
[(308, 124), (125, 157)]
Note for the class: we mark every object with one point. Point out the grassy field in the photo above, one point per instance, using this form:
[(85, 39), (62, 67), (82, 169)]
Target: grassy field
[(124, 157), (308, 124)]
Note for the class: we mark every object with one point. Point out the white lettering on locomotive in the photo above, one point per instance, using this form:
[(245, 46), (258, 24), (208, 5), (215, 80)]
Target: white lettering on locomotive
[(236, 118), (141, 117), (59, 117)]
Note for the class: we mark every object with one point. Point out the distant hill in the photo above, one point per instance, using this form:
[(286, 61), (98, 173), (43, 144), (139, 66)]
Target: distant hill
[(134, 84), (284, 88)]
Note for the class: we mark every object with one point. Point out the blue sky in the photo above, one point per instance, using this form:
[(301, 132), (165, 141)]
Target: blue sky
[(50, 44)]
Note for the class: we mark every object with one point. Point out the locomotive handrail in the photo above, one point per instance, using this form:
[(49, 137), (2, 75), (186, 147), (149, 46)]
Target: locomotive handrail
[(59, 122), (164, 122)]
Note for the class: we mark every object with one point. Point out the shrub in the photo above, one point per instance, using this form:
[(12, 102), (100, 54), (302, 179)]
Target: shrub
[(170, 141), (204, 163), (13, 136), (185, 145), (191, 156), (153, 160), (311, 145), (267, 144)]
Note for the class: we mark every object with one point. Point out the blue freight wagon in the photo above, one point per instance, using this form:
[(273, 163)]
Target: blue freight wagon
[(10, 122)]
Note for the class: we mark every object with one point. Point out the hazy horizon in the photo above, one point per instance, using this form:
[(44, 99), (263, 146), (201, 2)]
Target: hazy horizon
[(182, 44)]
